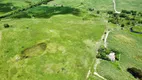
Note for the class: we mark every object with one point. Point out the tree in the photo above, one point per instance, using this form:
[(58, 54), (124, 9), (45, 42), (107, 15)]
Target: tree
[(128, 23), (122, 15), (125, 11), (110, 12), (6, 26), (122, 26), (140, 21), (115, 14), (133, 12), (133, 23), (98, 12), (90, 9)]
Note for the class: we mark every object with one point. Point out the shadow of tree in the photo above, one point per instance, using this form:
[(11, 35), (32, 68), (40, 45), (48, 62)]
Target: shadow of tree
[(46, 12), (6, 7)]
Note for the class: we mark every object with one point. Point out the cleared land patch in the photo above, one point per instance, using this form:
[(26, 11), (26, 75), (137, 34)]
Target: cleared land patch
[(34, 50)]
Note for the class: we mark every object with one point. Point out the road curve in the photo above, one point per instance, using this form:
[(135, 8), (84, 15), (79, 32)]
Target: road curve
[(114, 6)]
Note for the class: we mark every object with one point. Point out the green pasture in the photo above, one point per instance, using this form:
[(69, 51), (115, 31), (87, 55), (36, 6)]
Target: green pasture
[(129, 45), (70, 44)]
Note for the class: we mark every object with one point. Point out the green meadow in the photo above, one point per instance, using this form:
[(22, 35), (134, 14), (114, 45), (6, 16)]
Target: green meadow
[(70, 44), (59, 40), (129, 45)]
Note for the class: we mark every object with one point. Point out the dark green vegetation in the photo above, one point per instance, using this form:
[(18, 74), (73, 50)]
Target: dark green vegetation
[(46, 12), (129, 44), (23, 9), (6, 26), (127, 19), (103, 52), (6, 7), (137, 73)]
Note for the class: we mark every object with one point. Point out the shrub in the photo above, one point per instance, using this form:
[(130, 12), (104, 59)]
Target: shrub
[(140, 21), (122, 25), (125, 11), (6, 26), (110, 12), (103, 52), (133, 12), (115, 14), (128, 23), (81, 3), (98, 12), (123, 15), (133, 23), (90, 9)]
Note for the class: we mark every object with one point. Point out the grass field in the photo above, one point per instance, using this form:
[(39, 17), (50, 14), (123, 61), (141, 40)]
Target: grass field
[(129, 44), (69, 53), (129, 5), (57, 41)]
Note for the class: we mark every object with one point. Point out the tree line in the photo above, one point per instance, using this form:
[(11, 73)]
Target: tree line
[(24, 9), (125, 18)]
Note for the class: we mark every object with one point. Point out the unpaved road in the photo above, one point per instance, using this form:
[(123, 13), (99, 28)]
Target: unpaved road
[(97, 62), (95, 69), (105, 40), (104, 36), (114, 5), (95, 73)]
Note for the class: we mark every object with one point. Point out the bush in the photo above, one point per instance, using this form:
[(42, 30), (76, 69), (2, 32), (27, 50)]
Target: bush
[(90, 9), (98, 12), (6, 26), (128, 23), (102, 52), (122, 25), (133, 12), (110, 12), (123, 15), (115, 14), (125, 11), (140, 21)]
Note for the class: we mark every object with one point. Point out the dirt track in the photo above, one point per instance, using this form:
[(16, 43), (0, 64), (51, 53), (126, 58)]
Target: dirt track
[(114, 5)]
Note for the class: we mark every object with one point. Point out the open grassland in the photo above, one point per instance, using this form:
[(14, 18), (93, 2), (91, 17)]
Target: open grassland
[(129, 44), (129, 5), (61, 47), (58, 40)]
